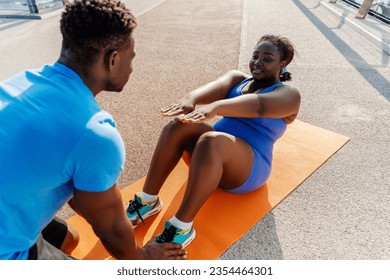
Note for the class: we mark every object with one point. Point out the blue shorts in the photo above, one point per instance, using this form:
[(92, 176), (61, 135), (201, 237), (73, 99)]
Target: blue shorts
[(259, 174)]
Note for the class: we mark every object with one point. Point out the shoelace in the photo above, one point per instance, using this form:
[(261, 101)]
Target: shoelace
[(167, 235), (134, 206)]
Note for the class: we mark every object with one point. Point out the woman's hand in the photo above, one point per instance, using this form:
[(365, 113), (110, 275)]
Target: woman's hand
[(205, 113), (183, 106)]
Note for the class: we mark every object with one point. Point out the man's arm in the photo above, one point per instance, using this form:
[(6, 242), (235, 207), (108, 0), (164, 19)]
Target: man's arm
[(72, 205), (106, 214)]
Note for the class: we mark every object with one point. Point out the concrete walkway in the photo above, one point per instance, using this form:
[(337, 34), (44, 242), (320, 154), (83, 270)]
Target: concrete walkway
[(340, 212)]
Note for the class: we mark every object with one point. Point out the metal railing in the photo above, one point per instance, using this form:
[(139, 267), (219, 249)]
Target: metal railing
[(31, 6), (381, 11)]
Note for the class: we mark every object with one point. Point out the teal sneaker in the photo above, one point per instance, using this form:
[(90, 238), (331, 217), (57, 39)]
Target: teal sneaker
[(176, 235), (137, 210)]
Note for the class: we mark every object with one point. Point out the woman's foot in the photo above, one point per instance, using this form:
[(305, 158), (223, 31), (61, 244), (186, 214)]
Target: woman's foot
[(176, 235), (137, 210)]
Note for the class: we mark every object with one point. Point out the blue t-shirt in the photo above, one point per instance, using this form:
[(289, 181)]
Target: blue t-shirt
[(54, 137), (260, 133)]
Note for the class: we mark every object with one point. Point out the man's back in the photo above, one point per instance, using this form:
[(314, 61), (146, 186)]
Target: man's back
[(54, 137)]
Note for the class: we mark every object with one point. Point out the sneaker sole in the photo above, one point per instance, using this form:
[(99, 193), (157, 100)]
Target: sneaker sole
[(189, 239), (154, 211)]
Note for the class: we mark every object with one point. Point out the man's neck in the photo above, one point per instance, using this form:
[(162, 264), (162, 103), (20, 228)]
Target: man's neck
[(86, 73)]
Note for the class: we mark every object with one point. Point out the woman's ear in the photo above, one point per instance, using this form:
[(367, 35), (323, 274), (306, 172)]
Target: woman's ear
[(111, 59)]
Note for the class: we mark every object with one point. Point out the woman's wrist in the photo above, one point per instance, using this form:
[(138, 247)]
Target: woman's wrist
[(218, 107), (189, 99)]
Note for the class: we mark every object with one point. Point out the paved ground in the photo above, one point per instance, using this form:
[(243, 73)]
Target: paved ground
[(342, 210)]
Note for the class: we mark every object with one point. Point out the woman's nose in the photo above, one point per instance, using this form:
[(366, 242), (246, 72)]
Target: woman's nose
[(257, 62)]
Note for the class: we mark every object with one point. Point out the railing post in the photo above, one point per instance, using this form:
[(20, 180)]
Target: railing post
[(32, 5), (364, 9)]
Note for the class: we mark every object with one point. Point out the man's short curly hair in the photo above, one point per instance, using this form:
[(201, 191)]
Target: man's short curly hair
[(90, 26)]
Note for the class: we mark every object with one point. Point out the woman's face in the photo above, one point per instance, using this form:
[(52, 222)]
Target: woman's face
[(265, 64)]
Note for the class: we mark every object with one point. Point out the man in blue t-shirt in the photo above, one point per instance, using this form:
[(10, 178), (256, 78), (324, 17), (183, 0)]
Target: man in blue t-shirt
[(57, 145)]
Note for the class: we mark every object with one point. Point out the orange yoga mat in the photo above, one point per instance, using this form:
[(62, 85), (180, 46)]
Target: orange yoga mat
[(301, 150)]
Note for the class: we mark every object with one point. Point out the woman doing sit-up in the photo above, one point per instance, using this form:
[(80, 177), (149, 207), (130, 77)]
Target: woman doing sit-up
[(234, 154)]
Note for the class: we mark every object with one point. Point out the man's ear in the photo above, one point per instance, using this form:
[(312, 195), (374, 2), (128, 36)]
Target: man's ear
[(111, 59)]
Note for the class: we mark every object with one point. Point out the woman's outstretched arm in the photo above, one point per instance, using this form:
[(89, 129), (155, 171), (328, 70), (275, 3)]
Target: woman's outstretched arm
[(208, 93), (282, 102)]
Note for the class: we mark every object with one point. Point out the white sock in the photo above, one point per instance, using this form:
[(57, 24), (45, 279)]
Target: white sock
[(179, 224), (148, 197)]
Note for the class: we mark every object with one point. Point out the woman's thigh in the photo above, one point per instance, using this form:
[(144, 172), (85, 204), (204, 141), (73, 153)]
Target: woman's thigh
[(235, 154), (186, 135), (257, 177)]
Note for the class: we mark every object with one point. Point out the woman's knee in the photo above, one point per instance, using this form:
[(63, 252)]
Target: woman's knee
[(211, 142), (173, 127), (183, 133)]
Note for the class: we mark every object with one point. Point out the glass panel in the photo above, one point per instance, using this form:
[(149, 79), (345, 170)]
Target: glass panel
[(380, 9), (22, 5)]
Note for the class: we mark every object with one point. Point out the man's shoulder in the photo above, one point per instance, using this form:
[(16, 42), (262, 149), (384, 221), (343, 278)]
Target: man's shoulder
[(101, 131), (99, 155)]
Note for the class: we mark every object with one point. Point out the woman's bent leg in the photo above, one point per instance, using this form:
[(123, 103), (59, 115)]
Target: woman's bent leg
[(218, 159), (175, 138)]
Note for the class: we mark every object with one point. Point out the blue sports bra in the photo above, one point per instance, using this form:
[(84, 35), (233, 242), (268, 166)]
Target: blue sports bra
[(260, 133)]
